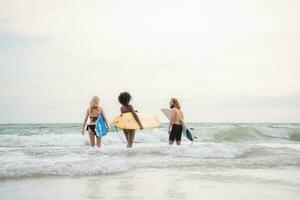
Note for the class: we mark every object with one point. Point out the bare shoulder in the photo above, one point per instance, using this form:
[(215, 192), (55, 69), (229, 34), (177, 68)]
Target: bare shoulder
[(174, 109), (100, 110), (130, 107)]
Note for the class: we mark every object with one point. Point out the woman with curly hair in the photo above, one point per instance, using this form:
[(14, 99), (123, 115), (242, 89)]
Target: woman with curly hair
[(124, 99)]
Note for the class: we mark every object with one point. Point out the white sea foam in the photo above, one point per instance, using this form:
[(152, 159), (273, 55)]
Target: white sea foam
[(229, 134), (156, 136), (42, 140), (80, 161), (34, 161), (54, 153)]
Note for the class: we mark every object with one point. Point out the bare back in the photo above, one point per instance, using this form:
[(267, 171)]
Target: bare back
[(93, 114), (176, 116)]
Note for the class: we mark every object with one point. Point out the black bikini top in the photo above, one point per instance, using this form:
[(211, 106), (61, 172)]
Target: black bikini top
[(93, 119)]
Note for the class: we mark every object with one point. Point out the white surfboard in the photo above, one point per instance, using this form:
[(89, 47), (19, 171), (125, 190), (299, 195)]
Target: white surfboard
[(186, 130)]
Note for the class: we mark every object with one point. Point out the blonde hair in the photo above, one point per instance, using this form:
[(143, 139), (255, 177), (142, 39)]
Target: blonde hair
[(94, 103), (176, 103)]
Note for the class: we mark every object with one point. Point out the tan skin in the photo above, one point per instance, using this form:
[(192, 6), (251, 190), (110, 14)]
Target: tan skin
[(175, 118), (129, 134), (92, 135)]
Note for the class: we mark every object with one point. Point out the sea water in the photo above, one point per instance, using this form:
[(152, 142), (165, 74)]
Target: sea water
[(226, 161)]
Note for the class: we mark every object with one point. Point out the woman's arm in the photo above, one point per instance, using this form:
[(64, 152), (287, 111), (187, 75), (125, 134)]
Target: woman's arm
[(136, 117), (105, 119), (85, 121), (121, 112)]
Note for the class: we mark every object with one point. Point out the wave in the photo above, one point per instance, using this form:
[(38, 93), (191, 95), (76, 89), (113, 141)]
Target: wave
[(42, 140), (60, 149), (80, 161), (85, 161), (240, 133), (228, 133)]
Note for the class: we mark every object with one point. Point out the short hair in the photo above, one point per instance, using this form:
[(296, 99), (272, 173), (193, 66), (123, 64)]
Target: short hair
[(124, 98)]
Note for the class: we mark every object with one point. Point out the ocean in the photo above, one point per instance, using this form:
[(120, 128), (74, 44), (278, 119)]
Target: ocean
[(226, 161)]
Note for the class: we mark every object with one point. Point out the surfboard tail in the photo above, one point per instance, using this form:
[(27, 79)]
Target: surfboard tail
[(189, 135)]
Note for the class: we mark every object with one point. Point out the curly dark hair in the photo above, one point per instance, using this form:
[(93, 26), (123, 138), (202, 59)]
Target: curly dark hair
[(124, 98)]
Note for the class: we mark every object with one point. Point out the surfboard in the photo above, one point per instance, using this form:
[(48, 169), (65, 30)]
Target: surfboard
[(127, 121), (186, 129), (100, 128)]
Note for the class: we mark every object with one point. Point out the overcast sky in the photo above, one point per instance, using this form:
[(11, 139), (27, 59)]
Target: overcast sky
[(227, 61)]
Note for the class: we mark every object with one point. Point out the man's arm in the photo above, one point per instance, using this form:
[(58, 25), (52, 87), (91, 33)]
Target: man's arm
[(172, 118)]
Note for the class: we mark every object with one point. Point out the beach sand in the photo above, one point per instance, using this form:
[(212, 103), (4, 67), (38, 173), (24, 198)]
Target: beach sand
[(154, 183)]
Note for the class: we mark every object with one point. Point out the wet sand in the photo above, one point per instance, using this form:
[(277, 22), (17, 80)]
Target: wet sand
[(167, 183)]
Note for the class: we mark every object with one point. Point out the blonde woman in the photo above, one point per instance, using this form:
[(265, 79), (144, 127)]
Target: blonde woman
[(94, 113), (175, 125)]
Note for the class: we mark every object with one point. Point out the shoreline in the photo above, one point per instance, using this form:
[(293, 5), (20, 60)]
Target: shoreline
[(148, 183)]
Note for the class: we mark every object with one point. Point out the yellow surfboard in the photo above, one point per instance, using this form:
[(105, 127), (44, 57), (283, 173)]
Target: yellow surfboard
[(127, 121)]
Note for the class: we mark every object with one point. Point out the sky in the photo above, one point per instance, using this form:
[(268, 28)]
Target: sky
[(226, 61)]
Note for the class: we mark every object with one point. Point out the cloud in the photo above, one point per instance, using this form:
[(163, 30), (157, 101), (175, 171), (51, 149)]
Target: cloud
[(216, 59)]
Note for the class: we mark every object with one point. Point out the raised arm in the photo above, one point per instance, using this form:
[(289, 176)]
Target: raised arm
[(136, 117), (85, 121)]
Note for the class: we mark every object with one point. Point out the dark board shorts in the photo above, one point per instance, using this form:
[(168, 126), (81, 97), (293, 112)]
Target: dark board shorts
[(176, 133)]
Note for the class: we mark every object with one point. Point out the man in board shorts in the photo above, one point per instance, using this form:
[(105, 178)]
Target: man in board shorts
[(175, 125)]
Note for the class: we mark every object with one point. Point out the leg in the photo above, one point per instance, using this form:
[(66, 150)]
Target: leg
[(131, 135), (171, 137), (92, 137), (126, 135), (98, 141), (178, 135)]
